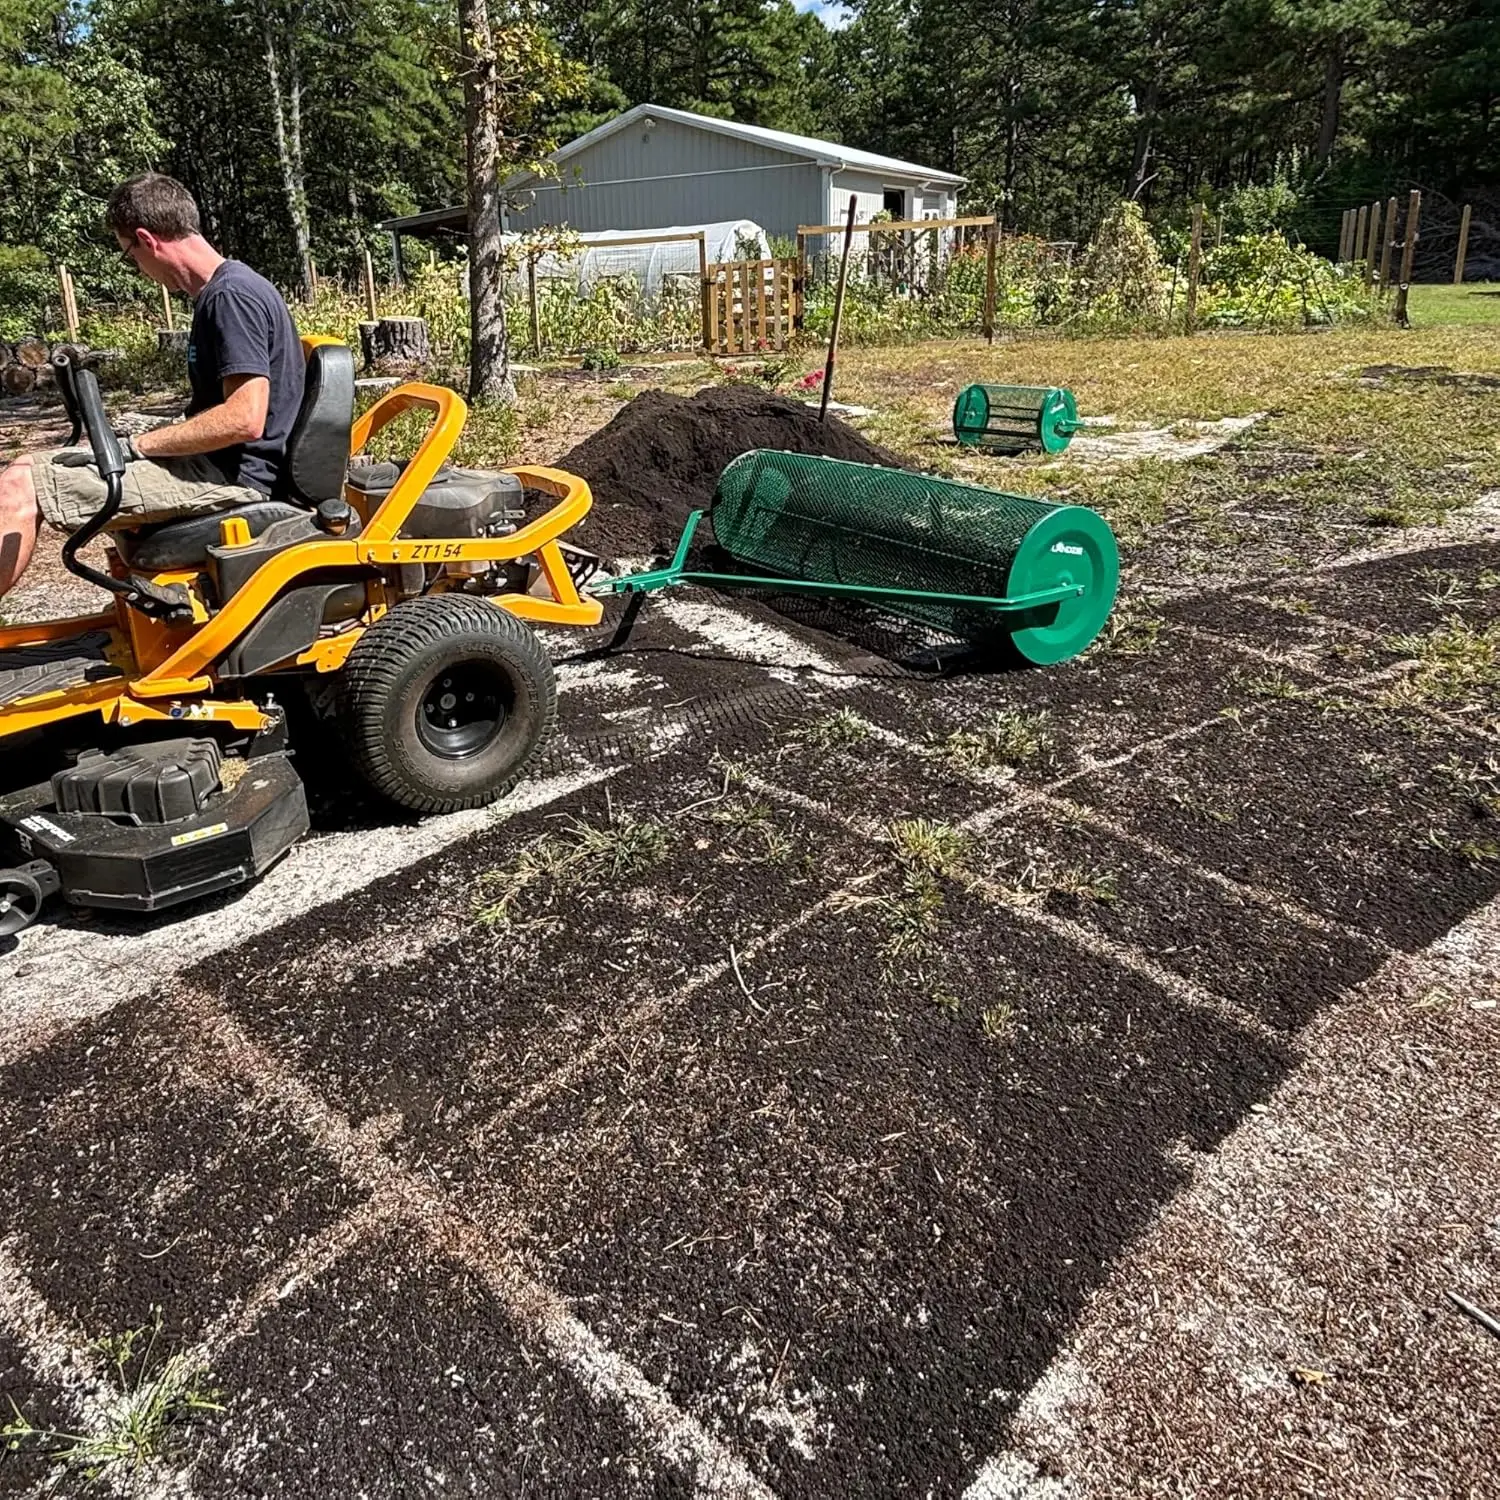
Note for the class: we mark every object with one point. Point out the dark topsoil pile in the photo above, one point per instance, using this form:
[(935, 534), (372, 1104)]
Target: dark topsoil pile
[(662, 455)]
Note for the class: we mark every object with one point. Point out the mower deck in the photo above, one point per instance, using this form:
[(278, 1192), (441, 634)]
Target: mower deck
[(51, 666)]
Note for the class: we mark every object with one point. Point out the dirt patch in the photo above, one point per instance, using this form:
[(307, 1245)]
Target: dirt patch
[(130, 1182), (661, 457), (906, 1212), (399, 1374), (1429, 375)]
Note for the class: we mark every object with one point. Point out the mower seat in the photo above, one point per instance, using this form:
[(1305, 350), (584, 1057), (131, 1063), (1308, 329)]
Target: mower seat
[(185, 543), (317, 455)]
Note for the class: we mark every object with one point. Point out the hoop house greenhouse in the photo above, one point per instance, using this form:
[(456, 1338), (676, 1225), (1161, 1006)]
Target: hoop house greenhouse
[(610, 255)]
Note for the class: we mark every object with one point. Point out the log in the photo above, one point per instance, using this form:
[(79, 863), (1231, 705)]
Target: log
[(32, 352), (172, 341), (17, 380), (394, 343)]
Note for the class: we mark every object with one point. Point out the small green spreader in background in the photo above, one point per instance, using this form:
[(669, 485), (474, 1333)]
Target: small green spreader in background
[(1015, 418), (977, 564)]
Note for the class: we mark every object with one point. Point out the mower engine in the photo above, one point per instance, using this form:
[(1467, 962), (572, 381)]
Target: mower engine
[(147, 827)]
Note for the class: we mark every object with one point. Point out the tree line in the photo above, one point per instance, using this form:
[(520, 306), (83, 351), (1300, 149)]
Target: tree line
[(301, 123)]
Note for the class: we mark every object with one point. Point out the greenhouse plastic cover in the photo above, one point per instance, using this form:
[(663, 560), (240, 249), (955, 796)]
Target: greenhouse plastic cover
[(601, 259)]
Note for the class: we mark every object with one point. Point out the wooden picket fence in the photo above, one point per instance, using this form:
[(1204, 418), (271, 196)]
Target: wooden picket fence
[(750, 306)]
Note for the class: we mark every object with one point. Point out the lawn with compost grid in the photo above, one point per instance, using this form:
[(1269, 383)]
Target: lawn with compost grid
[(801, 1086)]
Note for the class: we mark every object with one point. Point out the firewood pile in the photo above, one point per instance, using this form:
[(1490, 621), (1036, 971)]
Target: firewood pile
[(26, 364)]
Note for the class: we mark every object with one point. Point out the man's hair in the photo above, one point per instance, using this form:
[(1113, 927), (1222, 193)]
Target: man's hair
[(153, 202)]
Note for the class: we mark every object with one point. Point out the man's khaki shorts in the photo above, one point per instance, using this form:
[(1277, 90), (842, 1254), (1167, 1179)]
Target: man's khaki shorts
[(153, 490)]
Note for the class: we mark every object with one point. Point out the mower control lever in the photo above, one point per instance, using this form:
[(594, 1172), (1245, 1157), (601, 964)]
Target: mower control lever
[(162, 603), (65, 371), (108, 457)]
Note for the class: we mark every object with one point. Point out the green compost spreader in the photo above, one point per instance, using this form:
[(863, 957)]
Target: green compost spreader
[(1015, 418), (986, 567)]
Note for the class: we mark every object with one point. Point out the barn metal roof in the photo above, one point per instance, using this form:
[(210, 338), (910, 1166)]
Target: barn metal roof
[(826, 153)]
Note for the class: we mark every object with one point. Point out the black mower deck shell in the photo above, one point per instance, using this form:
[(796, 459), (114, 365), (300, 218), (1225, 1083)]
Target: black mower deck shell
[(125, 867)]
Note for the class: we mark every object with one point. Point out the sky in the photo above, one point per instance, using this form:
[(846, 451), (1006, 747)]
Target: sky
[(829, 12)]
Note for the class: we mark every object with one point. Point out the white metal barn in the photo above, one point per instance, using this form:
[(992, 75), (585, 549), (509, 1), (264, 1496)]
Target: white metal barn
[(653, 165)]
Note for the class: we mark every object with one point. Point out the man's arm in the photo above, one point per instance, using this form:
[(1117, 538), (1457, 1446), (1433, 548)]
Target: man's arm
[(239, 418)]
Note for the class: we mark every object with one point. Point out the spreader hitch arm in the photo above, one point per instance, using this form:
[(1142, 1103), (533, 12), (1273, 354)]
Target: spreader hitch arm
[(677, 572)]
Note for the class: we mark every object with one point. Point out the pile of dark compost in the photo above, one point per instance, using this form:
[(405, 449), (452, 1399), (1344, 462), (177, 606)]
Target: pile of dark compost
[(661, 457)]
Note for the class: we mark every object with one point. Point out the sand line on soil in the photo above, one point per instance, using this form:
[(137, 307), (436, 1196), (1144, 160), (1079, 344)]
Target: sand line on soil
[(61, 975), (1281, 659), (751, 640), (1183, 990), (1319, 1237), (56, 1352), (1415, 539), (311, 1260), (1047, 796), (659, 1004), (540, 1315), (1283, 906), (1313, 617)]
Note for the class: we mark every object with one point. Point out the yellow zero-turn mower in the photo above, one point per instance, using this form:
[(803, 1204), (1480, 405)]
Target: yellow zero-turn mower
[(399, 595)]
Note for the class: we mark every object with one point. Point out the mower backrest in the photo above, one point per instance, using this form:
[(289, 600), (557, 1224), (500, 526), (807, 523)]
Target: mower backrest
[(317, 452)]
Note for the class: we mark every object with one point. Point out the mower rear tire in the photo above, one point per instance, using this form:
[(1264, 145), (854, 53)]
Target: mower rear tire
[(444, 701)]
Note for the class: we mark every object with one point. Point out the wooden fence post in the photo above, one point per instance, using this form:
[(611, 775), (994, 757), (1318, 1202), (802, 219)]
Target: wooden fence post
[(166, 309), (1195, 254), (1408, 250), (1371, 258), (703, 290), (1361, 221), (69, 307), (991, 244), (1463, 246), (799, 285), (1343, 236), (1391, 209), (372, 309), (533, 305)]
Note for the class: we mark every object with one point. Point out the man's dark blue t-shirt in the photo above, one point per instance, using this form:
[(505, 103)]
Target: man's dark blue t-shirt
[(241, 326)]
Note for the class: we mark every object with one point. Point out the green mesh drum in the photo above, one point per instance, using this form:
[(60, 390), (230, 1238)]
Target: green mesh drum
[(1015, 418), (954, 556)]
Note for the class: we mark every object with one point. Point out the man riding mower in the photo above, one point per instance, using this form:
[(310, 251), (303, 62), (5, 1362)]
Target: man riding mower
[(396, 596)]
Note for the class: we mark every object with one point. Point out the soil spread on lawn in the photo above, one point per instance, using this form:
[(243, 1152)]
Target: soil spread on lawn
[(661, 457)]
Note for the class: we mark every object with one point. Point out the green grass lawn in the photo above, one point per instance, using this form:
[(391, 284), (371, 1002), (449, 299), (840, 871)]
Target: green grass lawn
[(1474, 302)]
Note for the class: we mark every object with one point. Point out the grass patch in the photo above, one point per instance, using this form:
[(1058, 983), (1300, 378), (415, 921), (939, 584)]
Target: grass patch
[(153, 1401), (836, 731), (1271, 683), (1032, 881), (1133, 629), (931, 848), (624, 847), (1009, 738), (1458, 665)]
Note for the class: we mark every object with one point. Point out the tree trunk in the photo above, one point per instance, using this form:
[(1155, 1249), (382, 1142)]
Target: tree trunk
[(394, 344), (1146, 102), (489, 348), (1333, 95), (17, 380), (291, 180)]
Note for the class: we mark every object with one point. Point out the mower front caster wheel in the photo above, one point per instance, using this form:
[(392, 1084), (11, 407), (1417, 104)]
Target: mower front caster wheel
[(443, 702)]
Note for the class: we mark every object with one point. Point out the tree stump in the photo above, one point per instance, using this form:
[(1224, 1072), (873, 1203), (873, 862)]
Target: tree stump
[(172, 341), (17, 380), (32, 352), (394, 343)]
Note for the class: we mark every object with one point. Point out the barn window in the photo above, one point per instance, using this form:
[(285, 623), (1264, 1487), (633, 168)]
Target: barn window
[(895, 203)]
